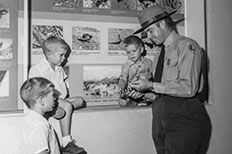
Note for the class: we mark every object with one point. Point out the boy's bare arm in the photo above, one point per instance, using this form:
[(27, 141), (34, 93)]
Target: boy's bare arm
[(150, 96), (121, 87), (122, 84)]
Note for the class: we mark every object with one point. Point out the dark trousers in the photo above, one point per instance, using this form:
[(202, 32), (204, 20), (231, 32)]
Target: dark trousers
[(180, 126)]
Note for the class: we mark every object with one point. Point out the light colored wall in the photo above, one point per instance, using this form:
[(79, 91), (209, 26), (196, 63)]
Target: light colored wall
[(113, 131), (10, 132), (219, 37), (219, 41)]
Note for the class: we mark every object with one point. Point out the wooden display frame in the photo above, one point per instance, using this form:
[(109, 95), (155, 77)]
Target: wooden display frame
[(9, 55)]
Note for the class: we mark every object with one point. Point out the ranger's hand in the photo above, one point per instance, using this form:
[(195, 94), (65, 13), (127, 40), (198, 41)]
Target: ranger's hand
[(141, 85), (150, 96)]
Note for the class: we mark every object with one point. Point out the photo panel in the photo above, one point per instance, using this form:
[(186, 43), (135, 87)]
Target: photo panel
[(85, 39), (96, 7), (99, 4), (6, 48), (93, 43), (68, 3), (125, 5), (8, 54), (4, 16), (4, 84), (116, 37), (42, 32), (143, 4), (117, 33), (100, 84), (8, 18), (170, 6), (167, 5), (129, 8)]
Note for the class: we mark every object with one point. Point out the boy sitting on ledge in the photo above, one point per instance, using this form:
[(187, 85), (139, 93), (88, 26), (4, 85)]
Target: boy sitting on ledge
[(137, 67)]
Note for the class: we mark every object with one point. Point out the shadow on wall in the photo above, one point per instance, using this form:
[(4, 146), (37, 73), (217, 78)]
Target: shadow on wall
[(204, 94)]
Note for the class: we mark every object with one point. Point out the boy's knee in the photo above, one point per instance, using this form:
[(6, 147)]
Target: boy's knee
[(68, 107), (78, 102)]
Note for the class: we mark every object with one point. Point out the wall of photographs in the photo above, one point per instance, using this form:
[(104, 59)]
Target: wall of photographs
[(105, 7), (97, 53), (8, 54), (94, 29)]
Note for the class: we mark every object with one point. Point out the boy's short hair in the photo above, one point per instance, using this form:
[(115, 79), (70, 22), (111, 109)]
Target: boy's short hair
[(50, 43), (135, 40), (33, 88)]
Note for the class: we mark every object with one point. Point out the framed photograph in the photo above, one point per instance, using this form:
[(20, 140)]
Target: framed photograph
[(99, 4), (116, 37), (4, 16), (165, 4), (42, 32), (125, 5), (4, 84), (100, 84), (68, 3), (6, 48), (8, 55), (96, 83), (85, 38), (97, 7)]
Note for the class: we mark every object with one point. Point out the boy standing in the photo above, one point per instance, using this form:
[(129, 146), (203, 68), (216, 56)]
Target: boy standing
[(55, 51), (38, 135), (137, 67)]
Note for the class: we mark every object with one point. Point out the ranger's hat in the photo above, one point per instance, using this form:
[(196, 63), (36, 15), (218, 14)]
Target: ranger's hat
[(152, 15)]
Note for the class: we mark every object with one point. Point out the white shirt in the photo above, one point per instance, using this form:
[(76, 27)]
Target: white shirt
[(38, 134), (57, 77)]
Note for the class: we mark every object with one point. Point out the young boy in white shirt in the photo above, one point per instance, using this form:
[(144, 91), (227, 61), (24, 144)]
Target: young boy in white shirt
[(55, 50), (38, 135)]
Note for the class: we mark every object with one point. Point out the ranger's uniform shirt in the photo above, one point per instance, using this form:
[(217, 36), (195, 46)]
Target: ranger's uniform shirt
[(57, 77), (182, 75)]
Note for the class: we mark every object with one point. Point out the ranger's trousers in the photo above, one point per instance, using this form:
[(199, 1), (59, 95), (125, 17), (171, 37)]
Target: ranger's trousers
[(180, 126)]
